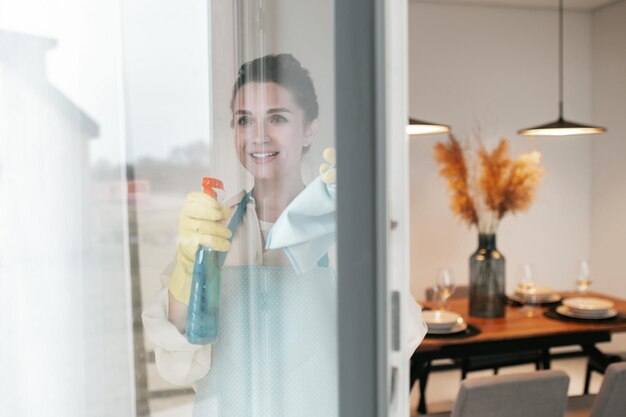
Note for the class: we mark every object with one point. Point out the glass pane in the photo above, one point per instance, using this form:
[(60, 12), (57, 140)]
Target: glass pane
[(256, 113), (66, 348), (132, 285), (168, 120)]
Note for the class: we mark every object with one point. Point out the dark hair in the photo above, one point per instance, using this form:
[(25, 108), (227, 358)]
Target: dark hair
[(286, 71)]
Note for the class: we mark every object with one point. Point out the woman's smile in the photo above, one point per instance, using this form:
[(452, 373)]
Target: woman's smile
[(263, 157), (270, 131)]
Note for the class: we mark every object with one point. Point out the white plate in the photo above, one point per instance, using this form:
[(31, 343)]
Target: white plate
[(536, 291), (588, 304), (440, 320), (457, 328), (590, 314), (529, 299), (565, 311)]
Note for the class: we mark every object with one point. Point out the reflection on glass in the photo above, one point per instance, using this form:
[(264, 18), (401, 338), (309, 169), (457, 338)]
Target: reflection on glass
[(63, 277)]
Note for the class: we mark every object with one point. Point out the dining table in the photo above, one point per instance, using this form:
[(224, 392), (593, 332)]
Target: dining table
[(523, 328)]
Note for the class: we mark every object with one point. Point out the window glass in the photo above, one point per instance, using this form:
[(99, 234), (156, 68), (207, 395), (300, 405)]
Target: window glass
[(237, 95), (67, 330)]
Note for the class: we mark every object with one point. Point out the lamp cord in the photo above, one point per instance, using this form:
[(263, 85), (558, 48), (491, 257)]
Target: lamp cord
[(560, 59)]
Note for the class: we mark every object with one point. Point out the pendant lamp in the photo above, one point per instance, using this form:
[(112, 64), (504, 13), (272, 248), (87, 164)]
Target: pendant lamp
[(420, 127), (561, 127)]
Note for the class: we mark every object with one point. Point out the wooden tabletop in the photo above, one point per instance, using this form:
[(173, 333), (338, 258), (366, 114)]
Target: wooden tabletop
[(521, 323)]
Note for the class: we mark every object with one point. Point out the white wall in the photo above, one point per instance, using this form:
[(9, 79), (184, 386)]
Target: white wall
[(608, 196), (496, 68)]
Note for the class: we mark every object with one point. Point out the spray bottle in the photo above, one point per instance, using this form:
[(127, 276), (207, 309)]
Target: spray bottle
[(203, 313)]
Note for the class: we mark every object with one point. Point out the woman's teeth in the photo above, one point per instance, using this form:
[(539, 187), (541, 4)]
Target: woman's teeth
[(263, 154)]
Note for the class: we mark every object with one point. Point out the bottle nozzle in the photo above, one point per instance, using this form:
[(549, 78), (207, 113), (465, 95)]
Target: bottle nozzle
[(209, 184)]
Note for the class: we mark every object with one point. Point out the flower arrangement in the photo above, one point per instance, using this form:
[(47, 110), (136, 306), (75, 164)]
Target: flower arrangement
[(486, 186)]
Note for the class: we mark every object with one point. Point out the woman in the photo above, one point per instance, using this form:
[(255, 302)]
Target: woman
[(275, 110), (276, 351)]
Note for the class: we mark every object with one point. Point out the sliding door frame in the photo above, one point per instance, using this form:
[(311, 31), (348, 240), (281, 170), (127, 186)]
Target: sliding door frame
[(362, 218)]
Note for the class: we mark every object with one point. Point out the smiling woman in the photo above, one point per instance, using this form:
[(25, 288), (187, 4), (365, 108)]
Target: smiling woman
[(264, 318), (275, 113), (270, 131)]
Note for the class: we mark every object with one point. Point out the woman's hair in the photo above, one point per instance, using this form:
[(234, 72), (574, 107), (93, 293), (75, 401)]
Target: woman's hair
[(286, 71)]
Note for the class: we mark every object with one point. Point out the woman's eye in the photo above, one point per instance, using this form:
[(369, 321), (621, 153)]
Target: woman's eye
[(277, 118), (244, 121)]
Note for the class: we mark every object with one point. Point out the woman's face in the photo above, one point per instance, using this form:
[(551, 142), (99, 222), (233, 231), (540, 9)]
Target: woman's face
[(269, 130)]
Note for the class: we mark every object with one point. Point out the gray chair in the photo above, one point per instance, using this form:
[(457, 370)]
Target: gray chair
[(599, 364), (610, 401), (536, 394), (531, 394)]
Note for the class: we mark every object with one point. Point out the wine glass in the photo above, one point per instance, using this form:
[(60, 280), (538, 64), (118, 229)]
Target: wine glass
[(527, 278), (527, 285), (584, 277), (445, 286)]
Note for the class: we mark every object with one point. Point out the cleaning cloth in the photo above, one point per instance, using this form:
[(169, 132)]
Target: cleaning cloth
[(306, 229)]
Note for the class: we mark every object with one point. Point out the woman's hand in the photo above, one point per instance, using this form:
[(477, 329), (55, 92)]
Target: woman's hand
[(328, 169), (201, 222)]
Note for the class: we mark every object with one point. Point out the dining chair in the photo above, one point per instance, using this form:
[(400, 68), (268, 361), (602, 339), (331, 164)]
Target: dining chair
[(600, 364), (536, 394), (610, 401)]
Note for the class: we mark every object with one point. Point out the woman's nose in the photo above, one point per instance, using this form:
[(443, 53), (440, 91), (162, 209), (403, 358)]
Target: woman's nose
[(260, 134)]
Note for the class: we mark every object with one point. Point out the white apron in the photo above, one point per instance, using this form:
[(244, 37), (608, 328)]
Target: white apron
[(276, 352)]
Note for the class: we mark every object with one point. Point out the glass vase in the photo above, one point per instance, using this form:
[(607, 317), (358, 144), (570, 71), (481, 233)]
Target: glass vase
[(487, 279)]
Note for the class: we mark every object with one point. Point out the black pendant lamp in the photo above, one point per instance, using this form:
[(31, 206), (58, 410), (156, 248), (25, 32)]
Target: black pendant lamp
[(420, 127), (561, 127)]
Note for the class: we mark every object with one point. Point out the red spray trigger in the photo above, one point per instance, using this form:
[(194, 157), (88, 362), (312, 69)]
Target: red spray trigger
[(209, 184)]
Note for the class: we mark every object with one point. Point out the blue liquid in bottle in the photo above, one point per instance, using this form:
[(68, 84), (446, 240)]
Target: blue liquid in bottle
[(203, 312)]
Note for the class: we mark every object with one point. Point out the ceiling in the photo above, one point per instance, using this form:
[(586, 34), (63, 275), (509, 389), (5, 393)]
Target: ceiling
[(580, 5)]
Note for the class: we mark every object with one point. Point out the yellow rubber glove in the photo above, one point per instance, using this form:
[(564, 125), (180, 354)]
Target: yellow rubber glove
[(328, 169), (201, 222)]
